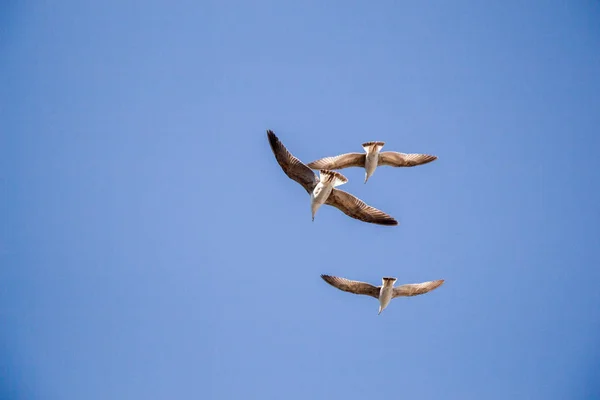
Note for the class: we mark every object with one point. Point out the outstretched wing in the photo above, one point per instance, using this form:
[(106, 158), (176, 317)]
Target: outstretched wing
[(356, 208), (339, 162), (355, 287), (415, 289), (293, 167), (395, 159)]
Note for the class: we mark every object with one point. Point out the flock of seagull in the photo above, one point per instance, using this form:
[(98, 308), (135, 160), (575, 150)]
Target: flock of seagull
[(322, 190)]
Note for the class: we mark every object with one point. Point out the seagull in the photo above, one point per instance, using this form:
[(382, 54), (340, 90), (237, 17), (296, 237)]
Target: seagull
[(371, 159), (384, 293), (322, 188)]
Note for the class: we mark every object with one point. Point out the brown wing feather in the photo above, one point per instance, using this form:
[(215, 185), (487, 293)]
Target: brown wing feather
[(395, 159), (339, 162), (415, 289), (293, 167), (356, 208), (355, 287)]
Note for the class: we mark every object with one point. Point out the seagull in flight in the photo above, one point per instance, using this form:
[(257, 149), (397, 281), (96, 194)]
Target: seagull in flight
[(371, 159), (322, 188), (384, 293)]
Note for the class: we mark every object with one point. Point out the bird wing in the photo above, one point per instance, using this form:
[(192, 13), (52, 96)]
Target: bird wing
[(415, 289), (355, 287), (293, 167), (356, 208), (339, 162), (395, 159)]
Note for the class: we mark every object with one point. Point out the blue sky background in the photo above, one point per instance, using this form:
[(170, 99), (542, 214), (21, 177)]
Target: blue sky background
[(152, 248)]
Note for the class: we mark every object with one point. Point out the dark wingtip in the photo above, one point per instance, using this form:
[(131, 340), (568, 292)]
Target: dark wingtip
[(273, 139), (388, 222)]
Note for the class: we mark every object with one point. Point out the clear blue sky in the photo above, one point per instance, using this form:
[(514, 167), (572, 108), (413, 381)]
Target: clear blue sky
[(152, 248)]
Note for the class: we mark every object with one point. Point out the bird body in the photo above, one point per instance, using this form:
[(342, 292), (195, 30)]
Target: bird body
[(327, 181), (385, 293), (372, 157)]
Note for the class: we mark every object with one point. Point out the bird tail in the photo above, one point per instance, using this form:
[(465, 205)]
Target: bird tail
[(332, 177), (389, 280), (371, 147)]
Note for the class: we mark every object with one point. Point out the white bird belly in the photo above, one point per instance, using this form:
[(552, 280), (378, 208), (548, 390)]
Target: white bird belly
[(371, 163), (385, 296), (320, 194)]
